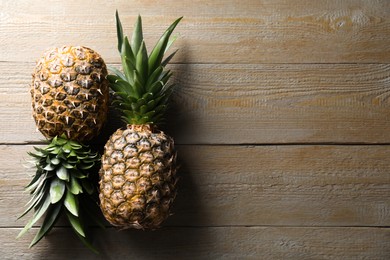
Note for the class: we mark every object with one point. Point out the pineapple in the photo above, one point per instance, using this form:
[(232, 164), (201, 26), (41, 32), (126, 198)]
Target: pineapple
[(69, 93), (70, 97), (138, 173)]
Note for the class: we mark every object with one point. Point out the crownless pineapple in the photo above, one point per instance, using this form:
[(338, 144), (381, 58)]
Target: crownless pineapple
[(69, 93), (138, 173)]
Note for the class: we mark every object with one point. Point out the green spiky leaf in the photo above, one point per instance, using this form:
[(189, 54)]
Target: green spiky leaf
[(48, 223), (117, 72), (119, 31), (35, 201), (41, 209), (49, 167), (55, 161), (57, 190), (145, 75), (75, 186), (128, 60), (76, 224), (87, 243), (62, 173), (153, 78), (71, 203), (137, 37), (158, 51), (168, 59), (88, 187), (142, 64), (60, 167)]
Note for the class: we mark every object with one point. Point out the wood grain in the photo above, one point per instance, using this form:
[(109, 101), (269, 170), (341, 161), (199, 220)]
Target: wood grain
[(235, 104), (262, 185), (207, 243), (281, 116), (220, 31)]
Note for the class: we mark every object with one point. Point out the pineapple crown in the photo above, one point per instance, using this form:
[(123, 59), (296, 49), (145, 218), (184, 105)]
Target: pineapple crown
[(142, 91), (60, 184)]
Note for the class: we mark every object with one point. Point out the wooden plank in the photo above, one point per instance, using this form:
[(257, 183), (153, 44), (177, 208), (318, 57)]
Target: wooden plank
[(235, 104), (254, 185), (207, 243), (266, 31)]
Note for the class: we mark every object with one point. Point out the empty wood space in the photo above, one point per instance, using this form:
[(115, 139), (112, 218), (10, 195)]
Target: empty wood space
[(281, 116)]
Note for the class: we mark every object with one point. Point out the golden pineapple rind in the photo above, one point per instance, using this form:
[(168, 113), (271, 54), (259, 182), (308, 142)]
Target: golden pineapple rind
[(70, 93), (138, 178)]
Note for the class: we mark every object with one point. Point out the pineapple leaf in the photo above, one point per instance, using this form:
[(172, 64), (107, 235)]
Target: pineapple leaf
[(37, 186), (151, 105), (49, 167), (87, 166), (137, 36), (48, 223), (150, 114), (156, 87), (62, 173), (35, 179), (124, 106), (57, 190), (127, 54), (37, 215), (160, 109), (87, 244), (88, 187), (142, 64), (143, 109), (75, 145), (37, 155), (153, 78), (71, 203), (59, 141), (119, 31), (139, 103), (35, 200), (119, 96), (76, 224), (165, 76), (128, 70), (158, 51), (74, 186), (55, 161), (113, 78), (68, 165), (148, 96), (116, 72), (120, 85), (67, 148), (138, 87), (78, 174), (168, 59), (170, 42)]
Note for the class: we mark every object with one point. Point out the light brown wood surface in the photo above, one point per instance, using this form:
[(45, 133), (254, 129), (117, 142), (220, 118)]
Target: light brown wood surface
[(255, 243), (234, 104), (281, 117), (249, 31), (255, 185)]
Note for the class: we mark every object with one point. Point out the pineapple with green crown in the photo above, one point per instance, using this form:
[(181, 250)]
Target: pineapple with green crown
[(138, 173), (70, 97)]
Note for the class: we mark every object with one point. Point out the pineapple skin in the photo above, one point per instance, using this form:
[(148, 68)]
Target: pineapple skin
[(138, 177), (70, 93)]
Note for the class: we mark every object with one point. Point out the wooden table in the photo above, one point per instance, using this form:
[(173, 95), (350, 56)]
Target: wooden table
[(281, 116)]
